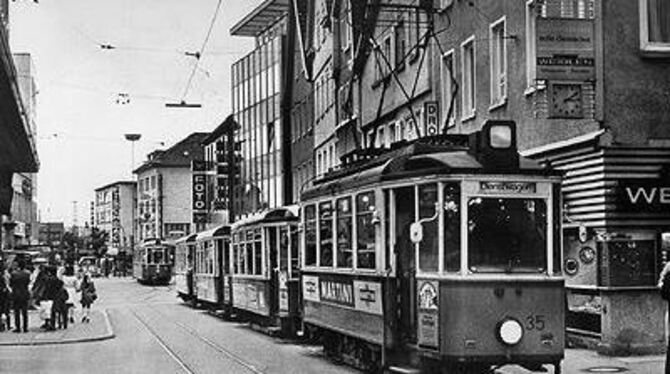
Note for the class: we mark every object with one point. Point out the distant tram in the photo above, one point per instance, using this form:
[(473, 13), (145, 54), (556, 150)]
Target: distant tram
[(152, 262), (444, 251)]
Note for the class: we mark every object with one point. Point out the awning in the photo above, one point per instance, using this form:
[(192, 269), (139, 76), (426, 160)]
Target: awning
[(262, 17), (186, 238), (219, 231)]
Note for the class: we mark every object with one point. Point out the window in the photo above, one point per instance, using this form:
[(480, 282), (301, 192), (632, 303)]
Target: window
[(448, 98), (429, 246), (468, 77), (392, 133), (415, 37), (655, 26), (380, 137), (153, 182), (344, 227), (326, 234), (400, 43), (507, 235), (498, 55), (452, 227), (387, 59), (365, 230)]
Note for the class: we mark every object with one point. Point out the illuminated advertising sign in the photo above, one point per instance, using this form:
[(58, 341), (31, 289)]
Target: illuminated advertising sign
[(431, 118), (199, 191)]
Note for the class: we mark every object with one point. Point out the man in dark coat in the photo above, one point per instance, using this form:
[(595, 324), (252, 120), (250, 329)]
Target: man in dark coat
[(19, 281)]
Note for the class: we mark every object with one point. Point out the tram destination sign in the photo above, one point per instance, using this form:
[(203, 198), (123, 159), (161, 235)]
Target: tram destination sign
[(507, 187)]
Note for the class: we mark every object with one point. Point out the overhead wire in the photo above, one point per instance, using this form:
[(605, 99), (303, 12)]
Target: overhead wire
[(202, 50)]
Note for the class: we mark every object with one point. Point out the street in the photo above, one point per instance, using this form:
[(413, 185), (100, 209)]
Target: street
[(155, 332)]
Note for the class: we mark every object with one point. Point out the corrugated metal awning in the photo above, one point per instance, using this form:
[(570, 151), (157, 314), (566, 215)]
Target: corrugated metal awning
[(263, 16)]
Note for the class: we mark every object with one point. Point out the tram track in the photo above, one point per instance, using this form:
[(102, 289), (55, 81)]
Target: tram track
[(163, 344), (217, 347)]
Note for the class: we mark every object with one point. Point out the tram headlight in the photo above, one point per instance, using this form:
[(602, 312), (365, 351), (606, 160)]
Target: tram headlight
[(510, 331)]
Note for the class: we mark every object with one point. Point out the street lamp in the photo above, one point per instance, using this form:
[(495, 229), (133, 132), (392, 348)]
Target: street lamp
[(132, 138)]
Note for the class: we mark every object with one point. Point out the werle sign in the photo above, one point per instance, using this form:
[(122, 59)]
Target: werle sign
[(565, 49), (644, 196)]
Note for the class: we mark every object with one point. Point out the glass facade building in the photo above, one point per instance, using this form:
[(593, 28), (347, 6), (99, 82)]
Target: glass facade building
[(256, 86)]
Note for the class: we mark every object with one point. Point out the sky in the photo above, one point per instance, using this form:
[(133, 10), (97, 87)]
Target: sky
[(80, 124)]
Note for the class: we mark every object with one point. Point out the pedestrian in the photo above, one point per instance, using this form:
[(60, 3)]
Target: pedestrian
[(19, 281), (52, 286), (5, 298), (88, 296), (664, 287), (71, 284), (59, 312)]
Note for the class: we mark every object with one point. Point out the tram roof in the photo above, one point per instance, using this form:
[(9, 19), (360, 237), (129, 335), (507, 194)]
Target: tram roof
[(285, 213), (186, 238), (222, 230), (415, 160)]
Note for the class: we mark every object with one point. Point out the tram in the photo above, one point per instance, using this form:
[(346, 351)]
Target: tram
[(445, 251), (211, 275), (266, 269), (183, 266), (152, 262)]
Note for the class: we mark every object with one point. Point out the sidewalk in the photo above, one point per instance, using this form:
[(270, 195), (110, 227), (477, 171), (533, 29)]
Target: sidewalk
[(98, 329), (578, 361)]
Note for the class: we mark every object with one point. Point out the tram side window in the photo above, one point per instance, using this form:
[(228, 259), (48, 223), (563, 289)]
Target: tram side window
[(344, 231), (365, 230), (452, 227), (249, 260), (429, 246), (326, 233), (236, 258), (258, 253), (283, 248), (310, 235)]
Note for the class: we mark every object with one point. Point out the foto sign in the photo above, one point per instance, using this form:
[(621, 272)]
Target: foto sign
[(565, 49)]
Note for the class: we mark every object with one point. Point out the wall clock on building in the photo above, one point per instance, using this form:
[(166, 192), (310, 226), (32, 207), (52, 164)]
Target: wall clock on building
[(565, 100)]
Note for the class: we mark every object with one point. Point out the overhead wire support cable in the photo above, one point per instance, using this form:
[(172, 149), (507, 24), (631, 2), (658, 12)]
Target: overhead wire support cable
[(198, 56)]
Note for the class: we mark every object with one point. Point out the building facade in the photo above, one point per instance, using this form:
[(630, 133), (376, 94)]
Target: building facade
[(258, 90), (114, 213), (220, 174), (164, 190), (586, 81), (18, 154)]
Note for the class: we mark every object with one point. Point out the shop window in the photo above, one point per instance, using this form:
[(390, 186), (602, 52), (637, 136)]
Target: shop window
[(365, 230), (344, 233), (326, 234), (655, 26)]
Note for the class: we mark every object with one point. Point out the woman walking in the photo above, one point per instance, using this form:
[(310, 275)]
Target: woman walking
[(664, 286), (88, 296), (71, 284)]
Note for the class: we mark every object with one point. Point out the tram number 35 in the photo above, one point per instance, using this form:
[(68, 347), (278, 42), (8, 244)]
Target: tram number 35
[(535, 322)]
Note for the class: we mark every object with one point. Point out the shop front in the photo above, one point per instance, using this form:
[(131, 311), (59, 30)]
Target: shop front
[(616, 228)]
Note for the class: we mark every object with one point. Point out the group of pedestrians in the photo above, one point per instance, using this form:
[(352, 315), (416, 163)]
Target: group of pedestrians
[(51, 289)]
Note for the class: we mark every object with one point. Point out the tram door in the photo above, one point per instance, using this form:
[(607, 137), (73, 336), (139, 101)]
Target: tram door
[(271, 247), (405, 262)]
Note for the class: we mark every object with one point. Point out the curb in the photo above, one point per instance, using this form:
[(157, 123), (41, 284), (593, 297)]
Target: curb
[(109, 334)]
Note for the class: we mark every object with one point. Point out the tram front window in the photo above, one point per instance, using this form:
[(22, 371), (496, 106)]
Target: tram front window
[(158, 256), (507, 235)]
